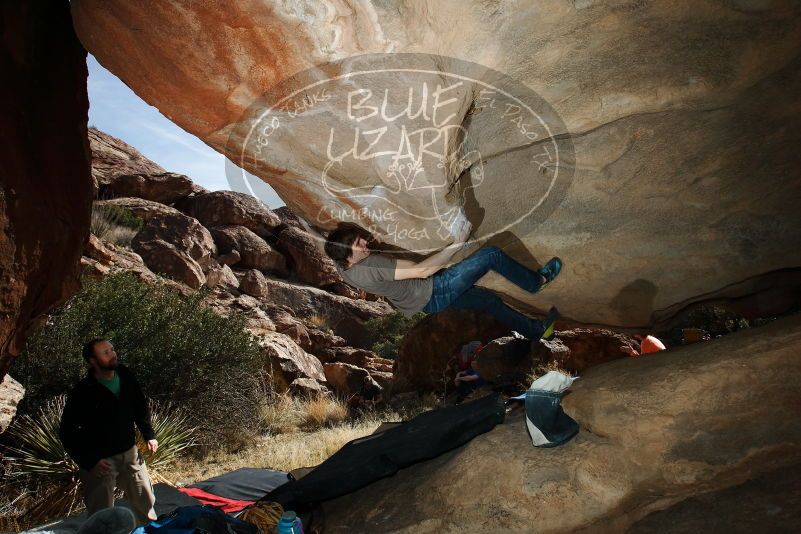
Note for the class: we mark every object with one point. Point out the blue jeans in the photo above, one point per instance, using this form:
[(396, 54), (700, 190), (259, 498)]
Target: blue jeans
[(454, 288)]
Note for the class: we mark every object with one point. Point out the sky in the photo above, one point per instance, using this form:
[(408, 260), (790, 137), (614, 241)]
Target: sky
[(116, 110)]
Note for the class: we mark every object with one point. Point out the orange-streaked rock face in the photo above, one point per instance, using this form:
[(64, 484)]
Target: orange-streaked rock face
[(678, 182), (46, 184)]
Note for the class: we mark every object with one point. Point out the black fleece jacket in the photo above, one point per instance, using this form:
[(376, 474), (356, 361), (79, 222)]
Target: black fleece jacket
[(96, 424)]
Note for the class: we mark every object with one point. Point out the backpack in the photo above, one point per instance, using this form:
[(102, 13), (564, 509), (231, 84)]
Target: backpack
[(197, 520)]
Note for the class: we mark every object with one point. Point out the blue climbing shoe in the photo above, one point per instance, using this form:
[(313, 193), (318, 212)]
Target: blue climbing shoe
[(549, 324), (550, 270)]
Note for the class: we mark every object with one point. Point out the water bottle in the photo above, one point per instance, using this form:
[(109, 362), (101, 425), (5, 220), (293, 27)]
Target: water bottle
[(290, 523)]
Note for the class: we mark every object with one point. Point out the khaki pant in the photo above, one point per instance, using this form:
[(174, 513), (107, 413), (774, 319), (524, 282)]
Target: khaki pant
[(128, 473)]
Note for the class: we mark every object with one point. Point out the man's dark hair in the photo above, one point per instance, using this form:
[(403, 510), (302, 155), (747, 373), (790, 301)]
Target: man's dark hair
[(339, 244), (89, 348)]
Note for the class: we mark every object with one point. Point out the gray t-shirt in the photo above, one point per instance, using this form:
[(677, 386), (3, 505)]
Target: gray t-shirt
[(376, 274)]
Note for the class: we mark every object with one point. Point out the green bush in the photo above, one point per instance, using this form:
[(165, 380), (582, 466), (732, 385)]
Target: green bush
[(206, 364), (122, 217), (115, 224), (385, 333)]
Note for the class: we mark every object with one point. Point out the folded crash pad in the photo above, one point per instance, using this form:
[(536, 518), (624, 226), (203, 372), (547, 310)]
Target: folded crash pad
[(379, 455)]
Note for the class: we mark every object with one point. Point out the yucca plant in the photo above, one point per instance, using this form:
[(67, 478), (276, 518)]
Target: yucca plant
[(38, 455), (38, 450), (173, 433)]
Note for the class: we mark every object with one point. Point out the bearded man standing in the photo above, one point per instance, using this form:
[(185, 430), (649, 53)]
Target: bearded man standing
[(97, 430)]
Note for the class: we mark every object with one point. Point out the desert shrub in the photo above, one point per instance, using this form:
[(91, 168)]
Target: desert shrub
[(114, 224), (121, 235), (385, 333), (49, 475), (181, 351), (37, 449)]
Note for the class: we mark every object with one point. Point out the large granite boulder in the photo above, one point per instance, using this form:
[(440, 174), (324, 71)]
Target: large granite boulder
[(288, 324), (288, 218), (253, 283), (654, 431), (46, 184), (346, 379), (287, 361), (165, 259), (512, 359), (102, 258), (427, 354), (112, 157), (141, 208), (220, 275), (97, 250), (223, 302), (587, 347), (346, 317), (221, 208), (254, 251), (164, 187), (322, 339), (310, 263), (769, 502), (624, 143), (177, 246)]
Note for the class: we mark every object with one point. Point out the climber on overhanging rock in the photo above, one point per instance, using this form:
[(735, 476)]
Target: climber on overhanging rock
[(425, 286)]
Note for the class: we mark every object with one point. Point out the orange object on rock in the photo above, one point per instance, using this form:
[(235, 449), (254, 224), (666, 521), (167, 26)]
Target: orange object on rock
[(651, 344)]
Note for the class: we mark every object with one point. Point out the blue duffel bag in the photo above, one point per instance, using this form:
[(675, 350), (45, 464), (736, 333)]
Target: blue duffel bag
[(197, 520)]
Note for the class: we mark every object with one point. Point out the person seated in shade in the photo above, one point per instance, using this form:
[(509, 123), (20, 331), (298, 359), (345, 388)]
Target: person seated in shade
[(468, 381), (427, 286)]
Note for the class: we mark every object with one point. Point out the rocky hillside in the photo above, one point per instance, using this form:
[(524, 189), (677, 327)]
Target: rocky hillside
[(266, 264), (269, 265)]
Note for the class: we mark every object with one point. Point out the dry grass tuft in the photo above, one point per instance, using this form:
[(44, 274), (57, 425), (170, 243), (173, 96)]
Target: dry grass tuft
[(284, 452), (296, 448), (544, 368), (323, 411), (320, 322), (114, 225), (279, 414), (282, 414), (120, 235)]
